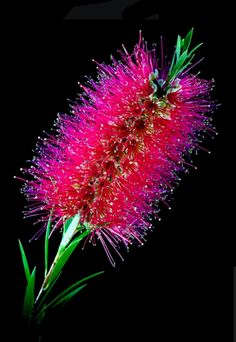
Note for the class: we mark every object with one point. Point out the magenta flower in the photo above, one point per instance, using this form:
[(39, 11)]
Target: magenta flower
[(122, 149)]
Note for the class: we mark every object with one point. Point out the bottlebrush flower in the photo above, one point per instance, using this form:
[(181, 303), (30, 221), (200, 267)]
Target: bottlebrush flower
[(121, 150)]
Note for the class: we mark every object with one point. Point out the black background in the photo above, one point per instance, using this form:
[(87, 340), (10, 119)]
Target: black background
[(179, 284)]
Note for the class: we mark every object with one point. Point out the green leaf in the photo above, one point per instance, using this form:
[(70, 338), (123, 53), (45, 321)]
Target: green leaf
[(29, 297), (178, 65), (67, 224), (72, 287), (39, 317), (42, 307), (188, 61), (70, 231), (182, 58), (25, 262), (194, 49), (184, 66), (178, 48), (64, 299), (64, 256), (187, 40), (46, 244), (172, 63), (47, 292)]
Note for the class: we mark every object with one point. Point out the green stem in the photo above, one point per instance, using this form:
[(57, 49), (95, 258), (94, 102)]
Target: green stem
[(66, 247), (44, 285), (61, 250), (35, 308)]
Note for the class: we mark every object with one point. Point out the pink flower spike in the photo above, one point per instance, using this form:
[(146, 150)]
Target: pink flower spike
[(120, 153)]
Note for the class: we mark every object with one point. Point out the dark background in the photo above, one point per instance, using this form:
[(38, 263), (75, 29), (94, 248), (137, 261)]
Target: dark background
[(179, 284)]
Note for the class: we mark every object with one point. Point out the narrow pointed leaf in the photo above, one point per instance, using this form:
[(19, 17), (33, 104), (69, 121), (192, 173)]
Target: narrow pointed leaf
[(39, 317), (66, 298), (29, 297), (65, 256), (178, 65), (181, 60), (47, 292), (46, 244), (187, 40), (172, 63), (70, 231), (66, 225), (25, 262), (194, 49), (187, 63), (178, 48), (61, 262), (72, 287)]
